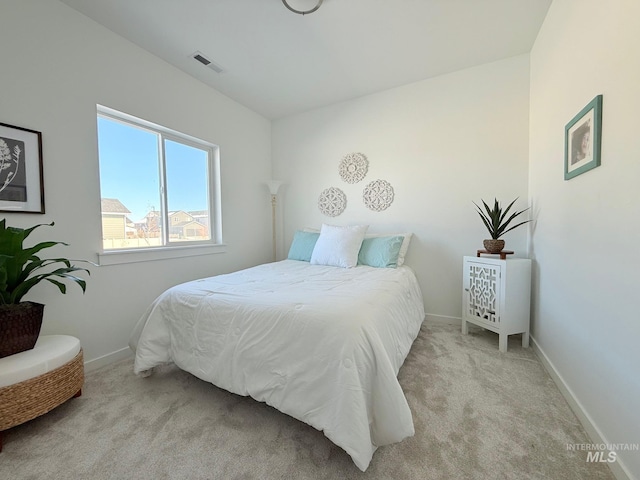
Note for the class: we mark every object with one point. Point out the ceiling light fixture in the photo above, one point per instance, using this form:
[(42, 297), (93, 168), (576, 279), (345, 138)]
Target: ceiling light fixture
[(302, 12)]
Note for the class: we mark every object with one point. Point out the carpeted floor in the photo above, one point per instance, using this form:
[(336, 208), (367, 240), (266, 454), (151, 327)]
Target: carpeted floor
[(478, 414)]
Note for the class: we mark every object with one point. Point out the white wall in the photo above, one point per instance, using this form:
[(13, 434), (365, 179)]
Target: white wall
[(441, 143), (56, 65), (585, 244)]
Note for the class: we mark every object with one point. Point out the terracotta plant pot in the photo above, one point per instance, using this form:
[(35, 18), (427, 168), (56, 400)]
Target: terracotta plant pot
[(493, 246), (19, 327)]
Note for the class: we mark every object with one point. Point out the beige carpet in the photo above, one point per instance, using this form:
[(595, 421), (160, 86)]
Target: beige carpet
[(478, 414)]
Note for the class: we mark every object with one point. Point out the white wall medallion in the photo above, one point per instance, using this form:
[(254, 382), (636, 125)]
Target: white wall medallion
[(378, 195), (332, 202), (353, 167)]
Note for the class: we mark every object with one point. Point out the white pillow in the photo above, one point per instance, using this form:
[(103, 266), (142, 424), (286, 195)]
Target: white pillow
[(405, 242), (338, 246)]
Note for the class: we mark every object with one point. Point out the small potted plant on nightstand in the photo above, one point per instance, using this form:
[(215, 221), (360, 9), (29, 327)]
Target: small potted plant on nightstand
[(21, 268), (496, 221)]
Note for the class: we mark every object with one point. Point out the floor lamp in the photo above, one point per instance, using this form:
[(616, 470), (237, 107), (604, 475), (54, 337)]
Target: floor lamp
[(274, 185)]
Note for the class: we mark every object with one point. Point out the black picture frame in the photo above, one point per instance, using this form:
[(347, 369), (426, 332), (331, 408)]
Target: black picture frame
[(583, 140), (21, 175)]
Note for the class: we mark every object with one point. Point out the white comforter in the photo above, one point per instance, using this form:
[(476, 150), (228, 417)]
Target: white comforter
[(322, 344)]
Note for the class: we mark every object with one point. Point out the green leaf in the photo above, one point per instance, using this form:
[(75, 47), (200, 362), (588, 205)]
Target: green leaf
[(60, 285), (37, 264), (28, 231), (507, 210), (515, 226)]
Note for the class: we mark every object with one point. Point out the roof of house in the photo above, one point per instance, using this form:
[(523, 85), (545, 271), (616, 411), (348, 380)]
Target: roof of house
[(113, 205), (184, 224), (175, 212)]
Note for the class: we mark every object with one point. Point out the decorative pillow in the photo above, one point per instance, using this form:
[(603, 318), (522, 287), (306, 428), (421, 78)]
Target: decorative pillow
[(405, 242), (381, 252), (338, 246), (302, 245)]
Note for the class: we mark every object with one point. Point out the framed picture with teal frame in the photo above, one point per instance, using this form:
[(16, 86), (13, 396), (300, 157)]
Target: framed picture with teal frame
[(582, 140)]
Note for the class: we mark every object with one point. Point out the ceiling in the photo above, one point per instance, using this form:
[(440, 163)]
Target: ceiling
[(279, 63)]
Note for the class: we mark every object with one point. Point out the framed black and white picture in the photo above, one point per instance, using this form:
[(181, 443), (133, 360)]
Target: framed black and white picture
[(21, 179), (582, 140)]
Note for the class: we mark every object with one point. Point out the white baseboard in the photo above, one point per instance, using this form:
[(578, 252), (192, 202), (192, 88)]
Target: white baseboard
[(107, 359), (433, 318), (618, 468)]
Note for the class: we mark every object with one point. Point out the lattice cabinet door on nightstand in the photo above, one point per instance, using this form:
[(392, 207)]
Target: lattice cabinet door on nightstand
[(496, 295)]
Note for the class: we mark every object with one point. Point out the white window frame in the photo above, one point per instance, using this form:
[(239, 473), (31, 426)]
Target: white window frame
[(171, 249)]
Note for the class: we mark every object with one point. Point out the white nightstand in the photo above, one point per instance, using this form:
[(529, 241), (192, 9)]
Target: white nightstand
[(496, 295)]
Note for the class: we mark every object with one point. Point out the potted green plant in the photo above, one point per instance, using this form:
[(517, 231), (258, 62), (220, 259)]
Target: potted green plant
[(21, 268), (496, 221)]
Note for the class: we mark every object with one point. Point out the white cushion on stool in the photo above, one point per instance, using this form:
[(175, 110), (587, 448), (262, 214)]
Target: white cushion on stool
[(50, 352)]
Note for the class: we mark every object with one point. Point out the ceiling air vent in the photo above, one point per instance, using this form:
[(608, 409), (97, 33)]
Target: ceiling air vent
[(207, 63)]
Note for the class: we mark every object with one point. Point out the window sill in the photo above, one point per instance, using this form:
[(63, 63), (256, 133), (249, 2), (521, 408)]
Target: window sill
[(116, 257)]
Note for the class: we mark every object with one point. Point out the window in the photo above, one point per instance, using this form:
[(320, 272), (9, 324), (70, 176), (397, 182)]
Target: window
[(159, 188)]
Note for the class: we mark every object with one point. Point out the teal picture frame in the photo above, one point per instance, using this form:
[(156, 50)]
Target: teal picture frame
[(583, 140)]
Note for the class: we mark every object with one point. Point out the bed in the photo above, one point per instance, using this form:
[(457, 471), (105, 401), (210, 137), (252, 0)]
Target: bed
[(320, 343)]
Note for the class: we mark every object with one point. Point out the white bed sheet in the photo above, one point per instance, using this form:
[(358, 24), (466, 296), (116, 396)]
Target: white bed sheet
[(321, 344)]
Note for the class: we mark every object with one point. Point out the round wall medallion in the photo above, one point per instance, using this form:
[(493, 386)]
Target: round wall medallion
[(332, 202), (378, 195), (353, 167)]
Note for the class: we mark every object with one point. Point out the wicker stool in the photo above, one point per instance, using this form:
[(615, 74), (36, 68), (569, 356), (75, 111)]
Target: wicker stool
[(36, 381)]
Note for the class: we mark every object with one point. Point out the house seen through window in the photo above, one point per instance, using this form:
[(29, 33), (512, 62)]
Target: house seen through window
[(156, 185)]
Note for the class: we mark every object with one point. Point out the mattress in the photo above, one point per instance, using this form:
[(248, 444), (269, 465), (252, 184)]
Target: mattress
[(322, 344)]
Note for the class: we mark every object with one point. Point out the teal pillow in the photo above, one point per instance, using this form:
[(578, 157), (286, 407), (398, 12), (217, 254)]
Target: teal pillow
[(381, 252), (302, 245)]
